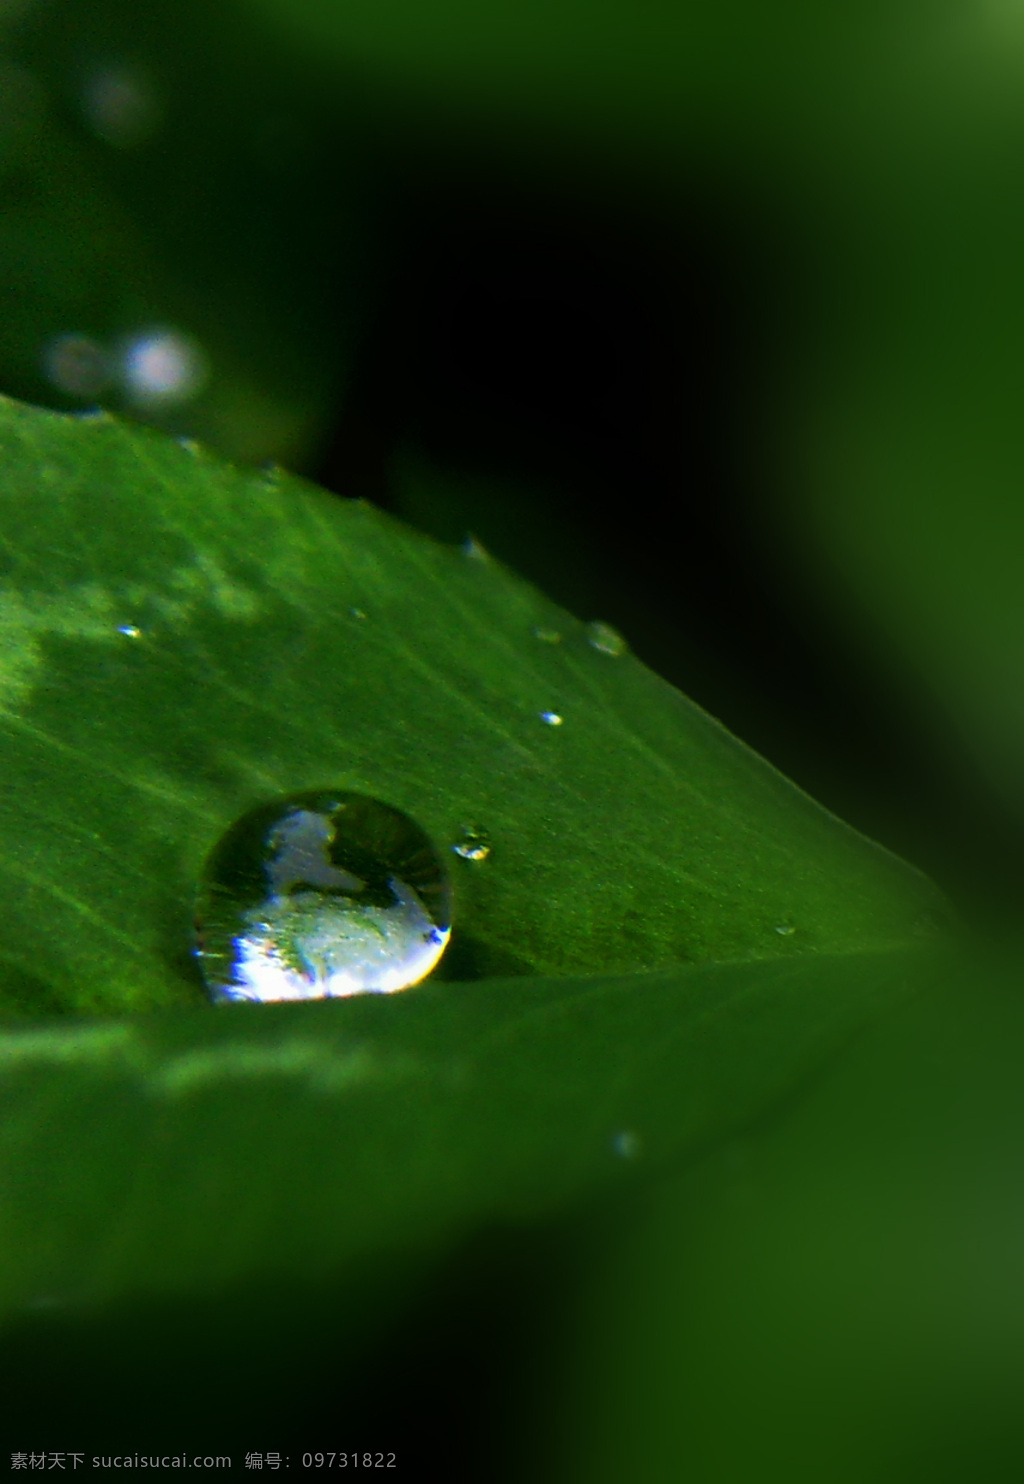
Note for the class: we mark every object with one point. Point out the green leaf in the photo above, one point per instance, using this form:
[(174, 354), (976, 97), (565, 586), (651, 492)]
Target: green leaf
[(923, 521), (182, 641), (837, 1293), (189, 1153), (901, 448)]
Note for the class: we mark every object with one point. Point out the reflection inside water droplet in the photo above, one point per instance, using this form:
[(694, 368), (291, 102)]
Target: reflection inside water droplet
[(129, 630), (603, 637), (785, 929), (319, 895), (551, 718), (474, 845)]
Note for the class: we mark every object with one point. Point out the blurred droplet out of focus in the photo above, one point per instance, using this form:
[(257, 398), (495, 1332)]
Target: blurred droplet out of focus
[(121, 105), (77, 365), (161, 367)]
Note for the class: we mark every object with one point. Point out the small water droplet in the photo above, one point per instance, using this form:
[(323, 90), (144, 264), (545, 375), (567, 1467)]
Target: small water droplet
[(321, 894), (77, 365), (357, 613), (472, 548), (626, 1144), (163, 367), (603, 637), (129, 630), (190, 445), (785, 929), (474, 845), (546, 636), (929, 924), (551, 718)]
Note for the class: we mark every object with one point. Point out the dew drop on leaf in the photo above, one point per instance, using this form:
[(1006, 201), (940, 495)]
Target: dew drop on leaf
[(603, 637), (785, 929), (551, 718), (547, 636), (318, 895), (474, 843)]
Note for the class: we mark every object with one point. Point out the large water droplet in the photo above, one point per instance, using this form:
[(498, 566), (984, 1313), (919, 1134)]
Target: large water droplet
[(318, 895)]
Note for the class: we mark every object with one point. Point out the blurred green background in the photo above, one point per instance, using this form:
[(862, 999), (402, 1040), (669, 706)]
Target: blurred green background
[(708, 320)]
